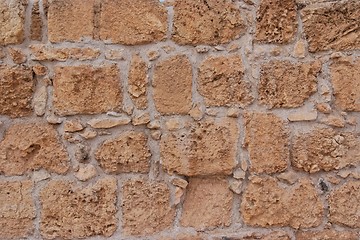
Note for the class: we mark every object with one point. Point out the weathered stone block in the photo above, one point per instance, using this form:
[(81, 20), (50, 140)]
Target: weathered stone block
[(16, 90), (172, 85), (207, 147), (345, 80), (129, 152), (332, 26), (267, 140), (208, 203), (287, 85), (32, 146), (265, 203), (344, 205), (70, 20), (146, 207), (138, 81), (221, 82), (17, 210), (327, 234), (325, 149), (86, 90), (12, 20), (69, 211), (206, 22), (133, 22), (276, 21)]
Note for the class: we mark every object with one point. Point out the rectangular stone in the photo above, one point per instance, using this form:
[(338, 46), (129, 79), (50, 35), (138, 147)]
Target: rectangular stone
[(133, 22), (16, 90), (208, 147), (69, 211), (17, 210), (86, 89), (70, 20), (332, 25), (12, 20)]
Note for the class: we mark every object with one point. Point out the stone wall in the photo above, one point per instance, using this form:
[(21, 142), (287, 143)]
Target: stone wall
[(180, 119)]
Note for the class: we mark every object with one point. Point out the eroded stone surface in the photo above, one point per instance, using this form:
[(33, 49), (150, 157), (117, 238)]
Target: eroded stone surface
[(42, 52), (325, 149), (288, 85), (332, 26), (207, 147), (206, 22), (17, 209), (12, 20), (344, 205), (133, 22), (137, 82), (16, 90), (221, 82), (207, 204), (276, 21), (78, 212), (267, 140), (276, 235), (265, 203), (86, 90), (128, 152), (328, 234), (70, 20), (146, 207), (172, 85), (344, 78), (36, 22), (32, 146)]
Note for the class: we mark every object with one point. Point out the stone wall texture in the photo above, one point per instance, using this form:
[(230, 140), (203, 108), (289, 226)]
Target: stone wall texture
[(180, 119)]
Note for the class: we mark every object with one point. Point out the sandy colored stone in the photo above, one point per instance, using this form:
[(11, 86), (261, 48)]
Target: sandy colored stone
[(196, 112), (327, 234), (266, 138), (70, 20), (146, 207), (16, 90), (344, 205), (265, 203), (208, 203), (141, 119), (86, 90), (276, 21), (115, 54), (12, 20), (221, 82), (300, 49), (276, 235), (179, 182), (173, 124), (39, 101), (73, 125), (109, 122), (138, 81), (32, 146), (209, 22), (36, 22), (153, 55), (85, 172), (41, 52), (17, 55), (17, 210), (334, 121), (287, 85), (207, 147), (126, 153), (345, 80), (289, 177), (133, 22), (302, 116), (332, 26), (79, 212), (323, 107), (155, 124), (325, 149), (172, 83)]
